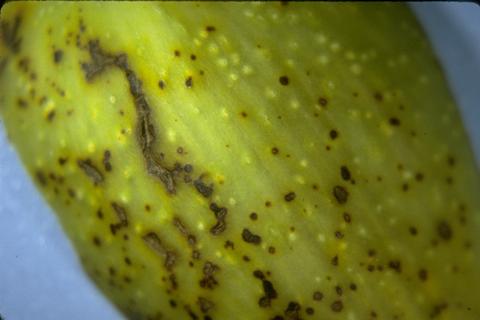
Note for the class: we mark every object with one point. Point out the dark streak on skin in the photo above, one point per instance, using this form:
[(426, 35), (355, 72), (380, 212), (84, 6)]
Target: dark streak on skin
[(270, 294), (145, 129), (122, 217), (202, 188), (91, 171), (220, 214), (106, 160), (191, 239), (153, 241), (10, 34)]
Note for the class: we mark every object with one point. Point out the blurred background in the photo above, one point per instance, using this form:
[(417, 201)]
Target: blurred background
[(40, 276)]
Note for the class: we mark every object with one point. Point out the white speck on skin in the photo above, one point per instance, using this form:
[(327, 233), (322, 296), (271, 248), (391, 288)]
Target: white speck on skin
[(356, 69), (222, 62), (323, 59), (321, 237), (112, 99), (171, 135), (304, 163), (200, 226), (246, 69), (294, 104), (91, 147), (232, 201), (292, 236), (299, 179), (335, 47), (270, 93), (225, 113), (320, 39)]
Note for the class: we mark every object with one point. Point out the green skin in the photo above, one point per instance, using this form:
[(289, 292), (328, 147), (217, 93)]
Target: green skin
[(248, 160)]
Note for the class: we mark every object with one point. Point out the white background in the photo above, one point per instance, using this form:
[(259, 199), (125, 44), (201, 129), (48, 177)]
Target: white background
[(40, 277)]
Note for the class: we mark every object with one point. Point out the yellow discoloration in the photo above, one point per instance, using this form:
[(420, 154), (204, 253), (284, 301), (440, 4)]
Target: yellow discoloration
[(346, 82)]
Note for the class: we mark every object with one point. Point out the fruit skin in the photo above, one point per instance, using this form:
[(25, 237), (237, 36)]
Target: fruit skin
[(332, 123)]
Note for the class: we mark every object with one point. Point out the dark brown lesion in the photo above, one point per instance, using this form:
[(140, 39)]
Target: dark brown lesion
[(205, 304), (145, 132), (220, 215), (153, 241), (190, 237), (90, 170), (121, 213), (249, 237), (209, 281), (9, 33)]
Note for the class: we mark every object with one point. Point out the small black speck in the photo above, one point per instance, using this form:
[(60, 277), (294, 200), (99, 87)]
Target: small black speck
[(444, 230), (336, 306), (290, 196), (317, 296), (177, 53), (340, 194), (193, 57), (210, 28), (333, 134), (253, 216), (189, 82), (394, 121), (275, 150), (345, 173), (284, 80), (57, 56), (161, 84), (322, 101)]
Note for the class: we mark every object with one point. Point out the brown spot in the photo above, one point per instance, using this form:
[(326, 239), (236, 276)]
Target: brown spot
[(290, 196), (21, 103), (378, 96), (10, 34), (91, 171), (253, 216), (292, 311), (209, 281), (202, 188), (210, 28), (275, 150), (345, 173), (340, 194), (161, 84), (106, 160), (395, 265), (317, 296), (353, 287), (57, 56), (51, 115), (322, 101), (177, 53), (193, 57), (423, 274), (270, 294), (243, 114), (268, 204), (153, 242), (347, 217), (205, 304), (394, 121), (444, 230), (284, 80), (333, 134), (339, 234), (335, 261), (419, 176), (271, 250), (249, 237), (413, 231), (337, 306), (189, 82), (97, 241)]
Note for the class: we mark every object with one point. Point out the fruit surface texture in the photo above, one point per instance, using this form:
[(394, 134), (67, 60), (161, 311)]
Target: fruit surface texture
[(248, 160)]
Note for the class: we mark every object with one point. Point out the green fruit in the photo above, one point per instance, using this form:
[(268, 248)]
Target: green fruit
[(248, 160)]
